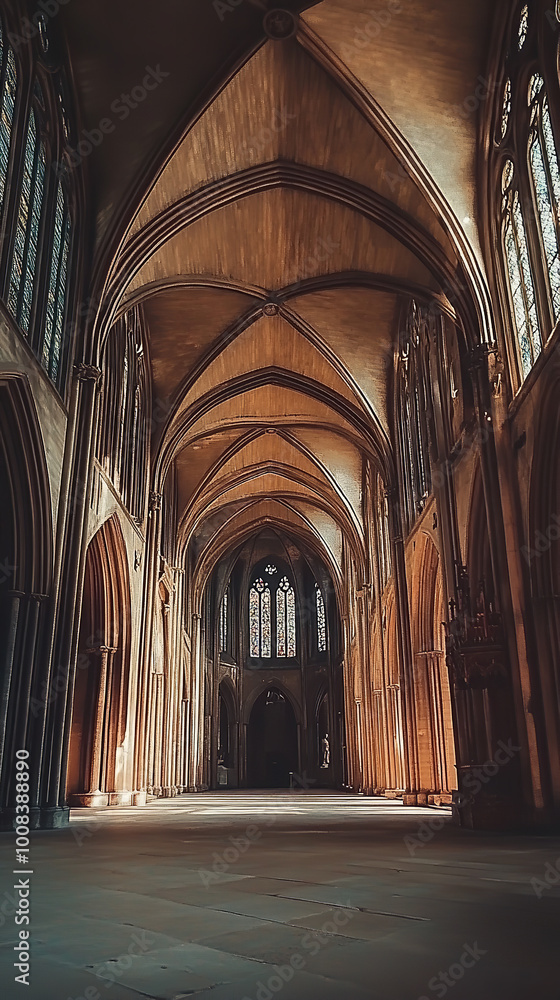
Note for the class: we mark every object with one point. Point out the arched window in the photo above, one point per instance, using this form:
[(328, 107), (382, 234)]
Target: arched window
[(529, 179), (56, 289), (259, 619), (272, 616), (8, 103), (413, 395), (24, 269), (521, 285), (545, 176), (224, 611), (321, 620), (285, 619), (123, 429)]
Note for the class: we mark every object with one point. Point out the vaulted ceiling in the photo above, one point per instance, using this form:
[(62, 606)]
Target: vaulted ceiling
[(274, 205)]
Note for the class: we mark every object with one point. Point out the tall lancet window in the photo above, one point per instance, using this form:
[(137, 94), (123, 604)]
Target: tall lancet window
[(526, 166), (285, 619), (24, 258), (224, 622), (546, 184), (7, 107), (259, 619), (520, 276), (321, 621)]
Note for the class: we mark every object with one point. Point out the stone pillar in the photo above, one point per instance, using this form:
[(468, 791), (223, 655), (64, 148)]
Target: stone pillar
[(486, 375), (196, 709), (145, 646), (410, 763), (59, 713)]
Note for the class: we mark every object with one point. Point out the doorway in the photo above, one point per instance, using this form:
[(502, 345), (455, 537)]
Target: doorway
[(272, 741)]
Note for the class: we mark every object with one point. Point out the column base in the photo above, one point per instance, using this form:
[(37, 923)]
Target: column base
[(45, 818), (88, 799)]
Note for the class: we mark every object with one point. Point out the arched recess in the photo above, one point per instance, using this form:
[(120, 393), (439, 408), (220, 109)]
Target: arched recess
[(26, 534), (100, 700), (389, 707), (227, 734), (542, 556), (432, 698)]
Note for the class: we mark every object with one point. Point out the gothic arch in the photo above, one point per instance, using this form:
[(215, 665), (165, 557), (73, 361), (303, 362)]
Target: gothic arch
[(26, 535), (100, 699)]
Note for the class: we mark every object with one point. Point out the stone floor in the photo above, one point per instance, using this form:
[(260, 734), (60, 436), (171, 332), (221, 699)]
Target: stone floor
[(245, 896)]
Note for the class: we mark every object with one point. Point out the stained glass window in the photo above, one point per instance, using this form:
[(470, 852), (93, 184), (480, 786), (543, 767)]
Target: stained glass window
[(506, 108), (6, 113), (520, 274), (259, 619), (523, 25), (224, 623), (285, 619), (270, 569), (23, 271), (56, 294), (268, 617), (321, 621), (545, 175)]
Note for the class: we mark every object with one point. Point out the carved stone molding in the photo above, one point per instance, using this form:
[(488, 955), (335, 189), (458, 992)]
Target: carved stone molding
[(87, 373), (155, 501)]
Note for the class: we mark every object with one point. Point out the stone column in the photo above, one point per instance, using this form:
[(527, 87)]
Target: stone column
[(410, 763), (145, 646), (63, 662), (486, 375)]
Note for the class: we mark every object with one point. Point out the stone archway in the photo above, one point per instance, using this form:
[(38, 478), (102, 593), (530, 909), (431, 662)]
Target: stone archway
[(272, 743), (101, 689)]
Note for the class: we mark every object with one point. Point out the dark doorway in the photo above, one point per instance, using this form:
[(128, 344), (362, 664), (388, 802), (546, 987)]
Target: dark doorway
[(272, 747), (224, 732)]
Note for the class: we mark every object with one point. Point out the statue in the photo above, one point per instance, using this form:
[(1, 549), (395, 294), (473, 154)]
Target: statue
[(326, 751)]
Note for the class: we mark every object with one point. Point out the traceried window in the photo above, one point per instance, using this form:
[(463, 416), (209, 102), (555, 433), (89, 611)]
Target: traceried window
[(321, 620), (122, 445), (529, 197), (24, 255), (520, 275), (506, 108), (224, 622), (523, 25), (56, 290), (272, 617), (9, 90), (259, 619), (285, 619), (545, 175)]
